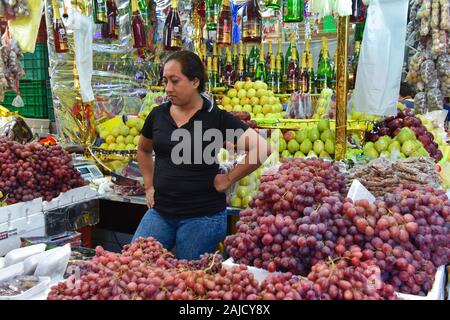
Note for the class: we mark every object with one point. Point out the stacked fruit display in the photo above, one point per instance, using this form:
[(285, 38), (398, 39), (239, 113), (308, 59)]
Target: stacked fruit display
[(246, 189), (34, 170), (300, 219), (391, 126), (315, 141), (404, 145), (146, 271), (124, 136), (254, 98), (151, 101)]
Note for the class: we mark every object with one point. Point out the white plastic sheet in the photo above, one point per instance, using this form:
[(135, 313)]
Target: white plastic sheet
[(381, 58)]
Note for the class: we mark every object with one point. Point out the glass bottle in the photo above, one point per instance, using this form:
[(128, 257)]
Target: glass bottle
[(172, 29), (269, 54), (252, 61), (137, 25), (113, 23), (234, 57), (251, 23), (212, 13), (215, 72), (272, 75), (99, 11), (324, 48), (292, 73), (303, 75), (358, 11), (312, 88), (260, 73), (355, 59), (228, 75), (224, 24), (334, 74), (59, 30), (280, 55), (211, 76), (279, 82), (241, 54), (293, 10), (307, 50), (324, 71), (240, 73)]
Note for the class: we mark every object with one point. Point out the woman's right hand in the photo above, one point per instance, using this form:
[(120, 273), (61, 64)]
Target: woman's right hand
[(149, 195)]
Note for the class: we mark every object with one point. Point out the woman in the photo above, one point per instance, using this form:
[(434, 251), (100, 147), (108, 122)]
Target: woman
[(185, 194)]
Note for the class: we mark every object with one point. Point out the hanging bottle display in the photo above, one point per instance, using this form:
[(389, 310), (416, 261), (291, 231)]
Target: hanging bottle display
[(59, 30), (172, 29), (113, 23), (293, 10), (224, 24), (137, 25), (212, 13), (228, 75), (99, 11), (251, 23), (324, 71), (358, 11), (274, 4), (252, 62)]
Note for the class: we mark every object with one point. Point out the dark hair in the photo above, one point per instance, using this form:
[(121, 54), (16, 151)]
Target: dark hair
[(406, 90), (191, 66)]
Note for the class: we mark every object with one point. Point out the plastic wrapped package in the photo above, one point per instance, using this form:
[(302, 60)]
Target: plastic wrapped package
[(20, 254), (17, 130), (428, 71), (55, 264), (435, 7), (425, 9), (439, 39), (414, 74), (420, 103), (434, 99), (443, 70), (445, 7), (15, 8), (434, 83)]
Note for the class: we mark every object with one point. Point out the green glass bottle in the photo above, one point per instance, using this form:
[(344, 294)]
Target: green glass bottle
[(272, 75), (292, 73), (252, 62), (293, 10), (260, 73), (215, 73), (324, 71), (354, 64), (212, 13), (234, 57), (99, 11), (273, 4), (269, 54), (312, 88), (211, 76), (279, 88), (287, 57)]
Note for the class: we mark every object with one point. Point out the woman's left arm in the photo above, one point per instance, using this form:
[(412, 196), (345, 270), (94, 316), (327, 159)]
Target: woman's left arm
[(257, 151)]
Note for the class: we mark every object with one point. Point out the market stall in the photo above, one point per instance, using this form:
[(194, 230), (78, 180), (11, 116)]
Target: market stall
[(351, 204)]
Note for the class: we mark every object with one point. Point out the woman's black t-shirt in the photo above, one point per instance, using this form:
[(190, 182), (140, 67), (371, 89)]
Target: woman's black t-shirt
[(184, 179)]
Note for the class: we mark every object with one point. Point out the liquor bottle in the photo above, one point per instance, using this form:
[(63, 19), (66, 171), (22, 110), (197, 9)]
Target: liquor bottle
[(274, 4), (113, 23), (269, 54), (292, 73), (354, 61), (211, 76), (59, 30), (312, 88), (252, 62), (234, 57), (324, 71), (151, 26), (241, 53), (334, 73), (215, 71), (137, 25), (280, 55), (240, 76), (293, 10), (99, 11), (279, 88), (222, 60), (324, 48), (228, 75), (224, 24), (303, 81), (359, 31), (358, 11), (204, 56), (307, 50), (215, 56), (287, 57), (272, 75), (212, 13), (172, 29), (251, 23), (260, 73)]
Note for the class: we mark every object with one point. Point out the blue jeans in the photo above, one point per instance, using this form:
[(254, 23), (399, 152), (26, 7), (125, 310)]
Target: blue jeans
[(191, 236)]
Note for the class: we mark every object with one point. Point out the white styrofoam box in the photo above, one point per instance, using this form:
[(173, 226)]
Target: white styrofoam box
[(359, 192), (70, 197), (259, 274), (11, 231), (11, 271), (437, 292), (20, 210), (32, 292)]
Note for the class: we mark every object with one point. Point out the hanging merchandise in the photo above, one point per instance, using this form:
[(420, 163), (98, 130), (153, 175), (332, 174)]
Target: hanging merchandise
[(83, 30), (212, 12), (381, 58), (25, 29), (11, 70), (137, 25), (358, 11), (224, 24), (251, 23), (113, 23), (13, 9), (274, 4), (99, 11), (293, 10), (59, 30), (172, 29)]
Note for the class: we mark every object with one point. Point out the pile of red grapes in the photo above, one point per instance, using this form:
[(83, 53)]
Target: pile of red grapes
[(34, 170), (292, 229), (405, 118)]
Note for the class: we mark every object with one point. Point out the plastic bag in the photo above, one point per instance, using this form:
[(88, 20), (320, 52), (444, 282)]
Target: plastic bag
[(20, 254), (445, 7), (300, 106), (434, 98), (428, 71), (17, 130), (381, 58), (420, 103), (439, 39), (54, 265), (25, 29), (30, 263), (443, 70), (435, 7)]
